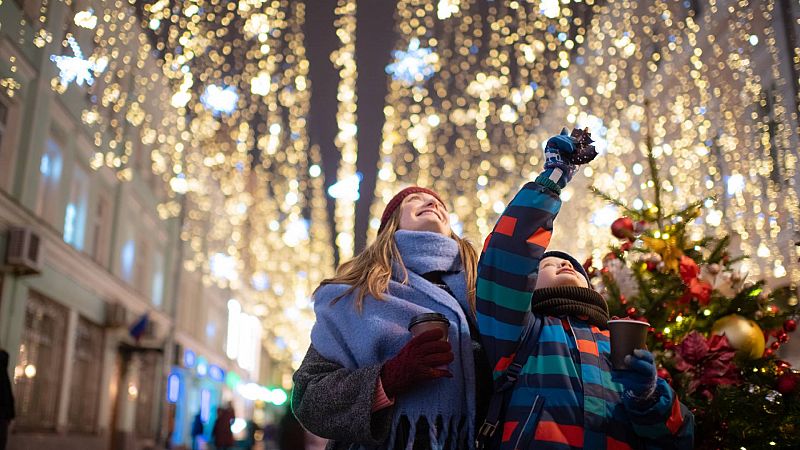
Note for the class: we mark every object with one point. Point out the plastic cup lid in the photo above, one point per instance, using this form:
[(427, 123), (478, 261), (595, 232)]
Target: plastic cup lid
[(428, 317)]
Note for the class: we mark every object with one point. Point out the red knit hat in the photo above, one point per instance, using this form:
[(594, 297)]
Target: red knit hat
[(398, 199)]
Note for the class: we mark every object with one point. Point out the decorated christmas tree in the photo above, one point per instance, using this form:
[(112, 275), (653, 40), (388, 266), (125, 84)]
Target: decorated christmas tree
[(715, 333)]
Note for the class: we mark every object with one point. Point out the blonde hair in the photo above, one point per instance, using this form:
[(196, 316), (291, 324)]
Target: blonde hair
[(370, 271)]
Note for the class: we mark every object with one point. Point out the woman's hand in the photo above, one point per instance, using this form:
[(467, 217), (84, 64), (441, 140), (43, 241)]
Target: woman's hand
[(418, 360)]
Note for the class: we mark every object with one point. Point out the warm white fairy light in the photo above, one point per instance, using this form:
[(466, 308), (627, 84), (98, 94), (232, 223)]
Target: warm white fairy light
[(718, 126), (346, 139)]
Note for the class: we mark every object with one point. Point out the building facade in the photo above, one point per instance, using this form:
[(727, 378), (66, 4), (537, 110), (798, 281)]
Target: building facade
[(99, 312)]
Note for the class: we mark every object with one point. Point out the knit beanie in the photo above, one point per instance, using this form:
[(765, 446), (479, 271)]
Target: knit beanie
[(575, 264), (398, 199)]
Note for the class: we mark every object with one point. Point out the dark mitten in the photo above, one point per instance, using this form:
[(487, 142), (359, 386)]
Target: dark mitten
[(557, 169), (417, 361), (639, 381)]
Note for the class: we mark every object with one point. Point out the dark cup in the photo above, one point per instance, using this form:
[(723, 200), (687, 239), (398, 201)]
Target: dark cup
[(429, 321), (626, 336)]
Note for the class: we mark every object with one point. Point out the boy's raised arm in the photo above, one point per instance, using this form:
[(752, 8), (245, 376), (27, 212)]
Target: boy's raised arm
[(512, 251)]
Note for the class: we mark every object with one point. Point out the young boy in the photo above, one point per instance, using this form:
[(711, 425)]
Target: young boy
[(566, 395)]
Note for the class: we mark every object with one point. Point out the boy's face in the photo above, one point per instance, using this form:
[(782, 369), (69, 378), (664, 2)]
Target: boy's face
[(555, 271)]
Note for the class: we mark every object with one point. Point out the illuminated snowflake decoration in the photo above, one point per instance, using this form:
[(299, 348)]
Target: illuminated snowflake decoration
[(413, 65), (86, 19), (220, 99), (77, 69)]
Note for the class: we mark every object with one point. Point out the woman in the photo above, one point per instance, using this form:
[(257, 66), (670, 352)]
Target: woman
[(365, 383), (221, 433)]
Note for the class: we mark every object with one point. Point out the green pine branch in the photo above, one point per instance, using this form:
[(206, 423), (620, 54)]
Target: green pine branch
[(629, 212)]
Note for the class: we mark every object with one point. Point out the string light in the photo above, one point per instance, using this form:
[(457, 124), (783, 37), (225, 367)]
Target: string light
[(717, 122), (215, 95), (510, 76), (468, 122), (344, 60)]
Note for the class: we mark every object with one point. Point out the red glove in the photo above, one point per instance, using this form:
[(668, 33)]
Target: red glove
[(417, 361)]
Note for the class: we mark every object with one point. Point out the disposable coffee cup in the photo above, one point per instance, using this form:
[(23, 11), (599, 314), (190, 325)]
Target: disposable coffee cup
[(626, 336), (429, 321)]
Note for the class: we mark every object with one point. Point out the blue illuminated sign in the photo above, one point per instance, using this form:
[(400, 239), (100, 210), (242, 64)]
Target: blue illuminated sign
[(216, 373), (173, 387), (189, 358), (202, 367)]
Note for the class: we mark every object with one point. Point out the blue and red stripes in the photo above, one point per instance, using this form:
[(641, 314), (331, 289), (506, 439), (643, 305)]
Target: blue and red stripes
[(569, 365)]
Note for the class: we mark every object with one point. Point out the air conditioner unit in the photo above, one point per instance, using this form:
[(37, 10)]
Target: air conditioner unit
[(116, 316), (24, 251)]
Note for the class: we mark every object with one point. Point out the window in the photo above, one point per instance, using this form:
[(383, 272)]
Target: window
[(75, 215), (3, 122), (84, 398), (141, 271), (157, 294), (127, 258), (37, 376), (47, 202), (100, 221), (8, 133)]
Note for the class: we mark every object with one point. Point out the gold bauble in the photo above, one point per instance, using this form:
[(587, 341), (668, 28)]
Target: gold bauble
[(744, 335)]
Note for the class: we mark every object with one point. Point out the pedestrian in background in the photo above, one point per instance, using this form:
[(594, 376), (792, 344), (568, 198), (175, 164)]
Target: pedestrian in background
[(221, 433), (6, 400), (291, 435), (197, 431)]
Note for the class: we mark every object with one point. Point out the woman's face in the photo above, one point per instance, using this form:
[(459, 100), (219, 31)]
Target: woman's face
[(423, 212)]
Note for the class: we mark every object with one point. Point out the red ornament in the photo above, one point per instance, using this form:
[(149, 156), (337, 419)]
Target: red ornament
[(775, 345), (783, 337), (688, 269), (787, 383), (664, 373), (790, 325), (768, 352), (626, 246), (622, 228), (631, 311), (652, 266)]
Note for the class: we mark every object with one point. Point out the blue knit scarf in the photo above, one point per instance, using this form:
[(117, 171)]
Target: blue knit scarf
[(356, 340)]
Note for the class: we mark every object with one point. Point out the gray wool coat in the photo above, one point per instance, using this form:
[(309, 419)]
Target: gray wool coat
[(331, 402)]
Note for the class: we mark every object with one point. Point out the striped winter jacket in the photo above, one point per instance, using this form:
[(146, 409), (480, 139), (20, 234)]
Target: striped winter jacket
[(567, 396)]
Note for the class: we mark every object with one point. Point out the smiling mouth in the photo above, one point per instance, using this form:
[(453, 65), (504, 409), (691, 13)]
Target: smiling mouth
[(431, 212)]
